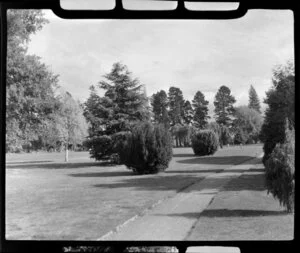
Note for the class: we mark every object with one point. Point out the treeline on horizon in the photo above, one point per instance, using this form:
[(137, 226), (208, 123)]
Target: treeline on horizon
[(40, 117)]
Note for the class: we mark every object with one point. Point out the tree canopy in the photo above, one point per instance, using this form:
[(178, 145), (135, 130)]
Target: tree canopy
[(224, 106), (159, 103), (281, 107), (123, 104), (200, 110), (176, 105), (187, 112), (249, 121), (69, 125), (253, 100), (30, 86)]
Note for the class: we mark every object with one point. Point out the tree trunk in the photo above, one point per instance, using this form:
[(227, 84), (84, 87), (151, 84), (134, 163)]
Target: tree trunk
[(67, 153)]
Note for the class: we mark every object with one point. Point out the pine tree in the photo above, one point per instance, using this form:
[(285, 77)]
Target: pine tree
[(176, 104), (123, 104), (124, 97), (200, 110), (188, 112), (159, 103), (224, 106), (253, 99)]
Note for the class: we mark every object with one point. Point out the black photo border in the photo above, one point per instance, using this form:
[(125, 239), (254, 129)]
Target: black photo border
[(119, 13)]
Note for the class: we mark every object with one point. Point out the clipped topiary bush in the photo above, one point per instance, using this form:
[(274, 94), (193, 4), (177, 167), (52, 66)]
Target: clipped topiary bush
[(148, 149), (205, 142), (280, 172)]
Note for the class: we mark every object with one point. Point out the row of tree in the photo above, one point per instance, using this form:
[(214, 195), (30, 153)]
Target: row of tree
[(172, 109), (179, 114), (124, 103), (38, 115)]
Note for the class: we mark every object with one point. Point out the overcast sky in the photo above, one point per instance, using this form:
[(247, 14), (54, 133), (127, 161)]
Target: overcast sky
[(192, 55)]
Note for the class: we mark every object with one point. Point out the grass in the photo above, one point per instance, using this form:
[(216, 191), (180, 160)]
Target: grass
[(47, 199), (244, 211)]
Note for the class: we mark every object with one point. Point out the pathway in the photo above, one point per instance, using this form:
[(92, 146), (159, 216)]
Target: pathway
[(169, 220)]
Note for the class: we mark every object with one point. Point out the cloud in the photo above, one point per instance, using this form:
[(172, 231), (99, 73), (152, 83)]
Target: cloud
[(190, 54)]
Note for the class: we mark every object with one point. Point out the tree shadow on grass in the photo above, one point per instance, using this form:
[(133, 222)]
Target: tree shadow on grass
[(169, 180), (26, 162), (62, 165), (194, 171), (226, 213), (180, 182), (240, 213), (154, 183), (104, 174), (223, 160), (184, 155)]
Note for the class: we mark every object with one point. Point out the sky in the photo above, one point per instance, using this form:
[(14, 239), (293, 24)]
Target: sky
[(194, 55)]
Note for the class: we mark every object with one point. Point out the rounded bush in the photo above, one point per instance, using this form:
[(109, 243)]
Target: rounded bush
[(205, 142), (100, 147), (148, 149)]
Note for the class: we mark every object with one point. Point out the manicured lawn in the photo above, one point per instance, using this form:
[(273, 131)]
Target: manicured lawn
[(244, 211), (83, 200)]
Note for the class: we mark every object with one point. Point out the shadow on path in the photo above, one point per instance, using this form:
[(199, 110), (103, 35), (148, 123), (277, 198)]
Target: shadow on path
[(254, 170), (250, 182), (253, 182), (221, 213)]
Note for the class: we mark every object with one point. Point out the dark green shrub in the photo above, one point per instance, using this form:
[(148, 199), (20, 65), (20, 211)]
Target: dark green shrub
[(148, 149), (205, 142), (281, 108), (107, 147), (100, 147), (280, 172)]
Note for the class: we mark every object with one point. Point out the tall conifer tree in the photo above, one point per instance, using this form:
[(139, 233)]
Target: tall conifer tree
[(224, 106), (253, 99), (159, 103), (200, 110), (176, 104)]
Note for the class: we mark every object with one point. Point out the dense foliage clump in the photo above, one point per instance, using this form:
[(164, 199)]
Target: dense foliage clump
[(205, 142), (147, 149), (249, 121), (240, 137), (281, 106), (280, 171), (124, 103)]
